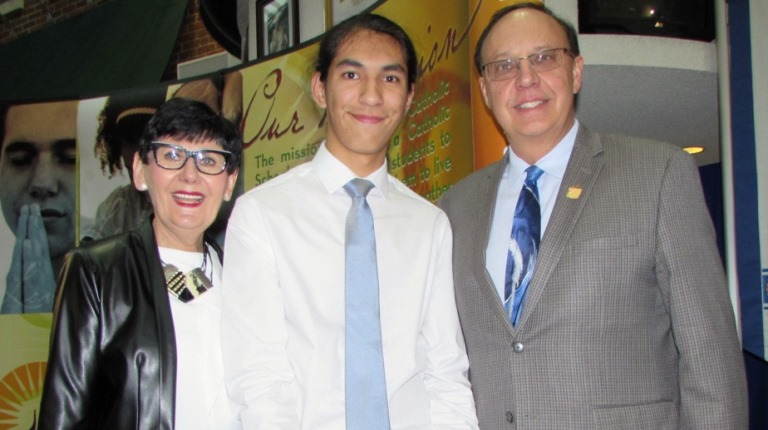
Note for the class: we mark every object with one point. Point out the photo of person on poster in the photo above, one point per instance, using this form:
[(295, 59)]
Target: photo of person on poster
[(121, 123), (37, 169)]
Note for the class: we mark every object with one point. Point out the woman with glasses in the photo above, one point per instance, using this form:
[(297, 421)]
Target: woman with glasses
[(135, 341)]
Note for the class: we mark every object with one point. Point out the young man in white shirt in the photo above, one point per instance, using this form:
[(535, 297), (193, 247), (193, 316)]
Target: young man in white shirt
[(284, 278)]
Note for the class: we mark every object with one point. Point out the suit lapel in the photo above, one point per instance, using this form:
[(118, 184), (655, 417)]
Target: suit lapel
[(581, 173), (487, 207)]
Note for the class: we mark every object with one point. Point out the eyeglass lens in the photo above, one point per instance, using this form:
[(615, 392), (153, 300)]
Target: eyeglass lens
[(540, 61), (173, 157)]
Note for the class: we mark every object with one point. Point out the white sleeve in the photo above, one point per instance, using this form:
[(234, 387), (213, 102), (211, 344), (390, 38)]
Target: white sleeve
[(446, 371), (254, 334)]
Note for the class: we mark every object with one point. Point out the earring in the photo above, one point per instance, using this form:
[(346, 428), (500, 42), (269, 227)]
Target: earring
[(143, 187), (227, 197)]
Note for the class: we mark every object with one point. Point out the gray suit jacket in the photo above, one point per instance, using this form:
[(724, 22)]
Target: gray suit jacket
[(627, 322)]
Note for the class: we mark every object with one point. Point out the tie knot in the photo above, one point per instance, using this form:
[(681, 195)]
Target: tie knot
[(532, 175), (358, 187)]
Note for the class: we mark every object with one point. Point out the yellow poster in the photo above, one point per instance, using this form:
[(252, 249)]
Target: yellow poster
[(433, 150), (23, 356), (281, 125)]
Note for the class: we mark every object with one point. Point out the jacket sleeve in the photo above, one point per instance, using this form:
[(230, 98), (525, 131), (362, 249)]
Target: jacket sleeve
[(689, 270), (70, 391)]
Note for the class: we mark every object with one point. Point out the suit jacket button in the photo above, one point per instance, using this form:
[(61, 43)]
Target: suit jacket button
[(510, 417), (517, 346)]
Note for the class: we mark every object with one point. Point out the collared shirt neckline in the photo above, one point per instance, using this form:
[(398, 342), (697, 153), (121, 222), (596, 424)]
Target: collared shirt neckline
[(553, 163), (334, 174)]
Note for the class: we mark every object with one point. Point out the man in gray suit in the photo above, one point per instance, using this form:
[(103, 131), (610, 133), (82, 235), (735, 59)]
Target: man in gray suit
[(625, 322)]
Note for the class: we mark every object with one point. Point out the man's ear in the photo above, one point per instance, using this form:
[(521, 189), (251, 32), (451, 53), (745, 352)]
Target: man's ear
[(578, 70), (318, 90), (410, 98), (483, 91)]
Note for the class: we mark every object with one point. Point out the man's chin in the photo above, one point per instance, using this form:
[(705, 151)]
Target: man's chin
[(60, 243)]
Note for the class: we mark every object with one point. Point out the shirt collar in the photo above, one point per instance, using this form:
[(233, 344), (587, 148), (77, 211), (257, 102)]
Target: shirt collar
[(554, 163), (334, 174)]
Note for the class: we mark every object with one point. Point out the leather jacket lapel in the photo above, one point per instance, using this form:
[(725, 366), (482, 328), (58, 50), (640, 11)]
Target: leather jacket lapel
[(164, 320)]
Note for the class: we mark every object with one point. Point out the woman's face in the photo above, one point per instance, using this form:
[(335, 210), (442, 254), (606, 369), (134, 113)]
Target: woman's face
[(186, 200)]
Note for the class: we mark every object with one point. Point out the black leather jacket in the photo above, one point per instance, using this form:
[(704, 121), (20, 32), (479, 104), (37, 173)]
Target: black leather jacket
[(112, 362)]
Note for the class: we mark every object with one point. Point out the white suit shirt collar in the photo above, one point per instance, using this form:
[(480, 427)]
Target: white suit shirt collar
[(334, 174)]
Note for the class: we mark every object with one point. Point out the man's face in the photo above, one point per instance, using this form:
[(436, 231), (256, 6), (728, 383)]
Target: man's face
[(533, 108), (37, 165), (366, 95)]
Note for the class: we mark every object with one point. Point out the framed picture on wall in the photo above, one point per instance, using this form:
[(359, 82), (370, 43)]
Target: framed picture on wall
[(277, 24), (343, 9)]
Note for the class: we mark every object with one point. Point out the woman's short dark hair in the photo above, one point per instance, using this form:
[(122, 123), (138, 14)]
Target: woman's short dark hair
[(570, 32), (194, 121), (336, 36)]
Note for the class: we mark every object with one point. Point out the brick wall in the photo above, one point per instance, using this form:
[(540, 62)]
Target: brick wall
[(194, 40), (38, 14)]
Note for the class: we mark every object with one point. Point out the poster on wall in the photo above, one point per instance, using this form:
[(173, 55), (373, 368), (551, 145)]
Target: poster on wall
[(23, 360), (37, 170), (38, 162), (110, 129)]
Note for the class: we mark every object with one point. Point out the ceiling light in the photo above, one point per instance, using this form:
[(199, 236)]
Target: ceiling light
[(693, 149)]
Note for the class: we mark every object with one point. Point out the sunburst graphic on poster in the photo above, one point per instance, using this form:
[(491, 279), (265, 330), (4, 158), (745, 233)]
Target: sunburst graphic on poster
[(20, 392)]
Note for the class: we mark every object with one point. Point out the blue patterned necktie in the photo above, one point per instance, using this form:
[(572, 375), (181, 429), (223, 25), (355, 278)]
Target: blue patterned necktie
[(365, 384), (523, 245)]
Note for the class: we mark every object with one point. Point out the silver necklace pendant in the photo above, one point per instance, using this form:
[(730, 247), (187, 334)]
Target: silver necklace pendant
[(186, 286)]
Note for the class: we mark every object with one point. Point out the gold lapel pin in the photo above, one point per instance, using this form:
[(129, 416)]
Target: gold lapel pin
[(573, 192)]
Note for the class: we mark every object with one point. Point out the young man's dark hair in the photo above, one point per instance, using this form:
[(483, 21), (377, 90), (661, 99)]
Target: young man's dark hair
[(329, 47)]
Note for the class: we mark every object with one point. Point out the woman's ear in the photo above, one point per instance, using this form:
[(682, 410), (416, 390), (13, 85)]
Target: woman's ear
[(139, 181), (231, 182)]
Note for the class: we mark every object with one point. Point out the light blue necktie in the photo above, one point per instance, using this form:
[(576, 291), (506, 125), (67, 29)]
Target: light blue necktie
[(365, 384), (523, 245)]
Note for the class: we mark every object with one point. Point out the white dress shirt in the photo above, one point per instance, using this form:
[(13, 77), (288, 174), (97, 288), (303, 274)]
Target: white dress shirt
[(283, 315), (553, 164), (201, 396)]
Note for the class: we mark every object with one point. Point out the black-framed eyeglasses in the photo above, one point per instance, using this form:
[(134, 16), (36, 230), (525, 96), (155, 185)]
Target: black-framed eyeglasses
[(174, 157), (542, 61)]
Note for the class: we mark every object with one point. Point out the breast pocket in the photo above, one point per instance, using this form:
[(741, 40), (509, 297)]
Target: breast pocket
[(607, 255), (657, 416)]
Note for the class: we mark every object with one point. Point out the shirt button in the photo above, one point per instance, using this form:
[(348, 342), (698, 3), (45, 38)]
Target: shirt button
[(510, 417), (517, 346)]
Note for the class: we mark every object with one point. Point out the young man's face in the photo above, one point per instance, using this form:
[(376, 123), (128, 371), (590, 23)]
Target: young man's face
[(366, 95), (37, 165)]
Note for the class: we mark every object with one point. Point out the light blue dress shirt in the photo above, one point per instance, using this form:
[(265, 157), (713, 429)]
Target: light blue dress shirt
[(553, 164)]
